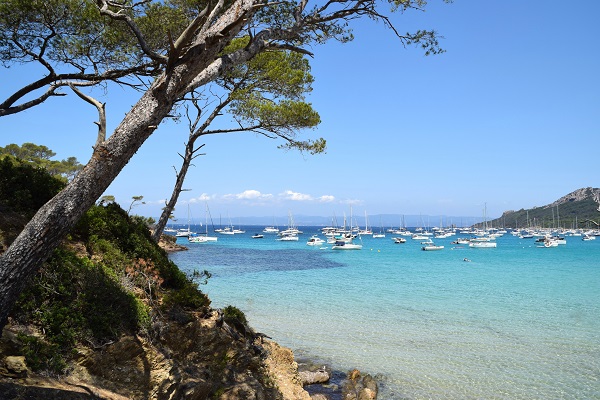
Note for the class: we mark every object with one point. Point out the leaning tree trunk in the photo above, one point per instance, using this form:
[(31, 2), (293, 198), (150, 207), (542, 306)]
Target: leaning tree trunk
[(170, 206), (57, 217)]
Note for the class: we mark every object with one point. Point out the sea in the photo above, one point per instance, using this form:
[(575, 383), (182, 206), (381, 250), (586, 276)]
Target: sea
[(517, 321)]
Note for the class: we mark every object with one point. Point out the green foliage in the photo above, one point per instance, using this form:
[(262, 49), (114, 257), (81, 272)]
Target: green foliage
[(232, 313), (24, 187), (112, 289), (42, 355), (111, 233), (139, 219), (39, 156), (187, 297), (267, 93), (28, 152), (570, 215), (135, 201), (74, 300)]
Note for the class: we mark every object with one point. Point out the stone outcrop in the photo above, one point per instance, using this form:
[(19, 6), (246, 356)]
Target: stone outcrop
[(579, 195), (201, 359), (358, 387)]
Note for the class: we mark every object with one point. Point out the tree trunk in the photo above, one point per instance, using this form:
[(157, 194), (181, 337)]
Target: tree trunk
[(164, 217), (57, 217)]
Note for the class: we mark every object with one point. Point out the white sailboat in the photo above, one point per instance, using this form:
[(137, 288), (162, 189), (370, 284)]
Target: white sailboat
[(203, 238), (346, 243), (183, 232), (366, 231)]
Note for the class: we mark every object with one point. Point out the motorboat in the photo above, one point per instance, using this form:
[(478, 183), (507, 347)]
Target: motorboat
[(257, 236), (460, 241), (288, 238), (482, 245), (183, 232), (342, 245), (417, 236), (432, 247), (315, 241), (399, 240)]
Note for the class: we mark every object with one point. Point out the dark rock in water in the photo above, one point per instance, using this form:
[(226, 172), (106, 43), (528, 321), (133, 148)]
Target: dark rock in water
[(339, 386), (356, 388)]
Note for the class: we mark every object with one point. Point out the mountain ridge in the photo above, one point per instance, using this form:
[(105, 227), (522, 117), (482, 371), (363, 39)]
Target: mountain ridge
[(577, 209)]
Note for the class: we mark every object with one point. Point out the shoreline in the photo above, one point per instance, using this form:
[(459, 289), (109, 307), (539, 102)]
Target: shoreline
[(339, 385)]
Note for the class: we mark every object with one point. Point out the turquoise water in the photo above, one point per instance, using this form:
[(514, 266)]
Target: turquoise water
[(517, 322)]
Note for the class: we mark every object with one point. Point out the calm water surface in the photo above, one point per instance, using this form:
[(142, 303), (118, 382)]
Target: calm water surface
[(517, 322)]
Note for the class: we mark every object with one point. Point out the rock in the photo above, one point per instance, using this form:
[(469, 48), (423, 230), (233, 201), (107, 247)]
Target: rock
[(354, 375), (356, 388), (310, 377), (318, 397), (16, 366)]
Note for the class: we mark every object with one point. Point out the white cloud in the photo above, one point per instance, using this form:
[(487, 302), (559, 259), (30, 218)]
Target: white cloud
[(202, 198), (326, 198), (295, 196), (253, 195), (250, 194)]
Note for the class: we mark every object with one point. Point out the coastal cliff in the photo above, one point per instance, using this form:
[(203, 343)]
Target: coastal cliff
[(203, 358)]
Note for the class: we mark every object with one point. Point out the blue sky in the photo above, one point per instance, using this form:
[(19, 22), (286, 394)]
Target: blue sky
[(509, 117)]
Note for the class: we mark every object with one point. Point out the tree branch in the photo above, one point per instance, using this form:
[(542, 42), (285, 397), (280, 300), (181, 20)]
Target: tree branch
[(32, 103), (101, 107), (103, 7)]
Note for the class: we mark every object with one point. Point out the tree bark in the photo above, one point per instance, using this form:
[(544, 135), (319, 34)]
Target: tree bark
[(57, 217)]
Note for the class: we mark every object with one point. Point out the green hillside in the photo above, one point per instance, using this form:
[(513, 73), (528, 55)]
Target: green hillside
[(578, 209)]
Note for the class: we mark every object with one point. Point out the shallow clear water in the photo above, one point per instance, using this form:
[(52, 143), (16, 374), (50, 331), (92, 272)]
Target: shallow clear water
[(517, 322)]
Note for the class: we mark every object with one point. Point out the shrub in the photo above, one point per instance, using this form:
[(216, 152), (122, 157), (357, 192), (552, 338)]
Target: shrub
[(232, 313)]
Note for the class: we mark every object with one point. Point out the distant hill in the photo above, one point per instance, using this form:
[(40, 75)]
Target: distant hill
[(577, 209)]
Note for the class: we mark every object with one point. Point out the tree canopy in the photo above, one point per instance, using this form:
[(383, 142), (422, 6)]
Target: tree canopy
[(167, 49), (87, 43), (40, 156)]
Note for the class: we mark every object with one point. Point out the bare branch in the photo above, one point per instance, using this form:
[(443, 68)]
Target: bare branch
[(101, 107), (56, 81), (32, 103), (284, 46)]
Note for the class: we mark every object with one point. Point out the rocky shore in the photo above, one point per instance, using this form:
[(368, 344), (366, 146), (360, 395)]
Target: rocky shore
[(183, 361)]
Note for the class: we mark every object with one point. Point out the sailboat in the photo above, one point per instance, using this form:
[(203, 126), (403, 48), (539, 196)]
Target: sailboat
[(185, 232), (228, 230), (366, 231), (485, 241), (381, 233), (291, 233), (346, 243), (203, 238)]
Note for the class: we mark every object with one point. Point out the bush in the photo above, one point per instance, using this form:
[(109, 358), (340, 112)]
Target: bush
[(24, 187), (76, 301), (232, 313)]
